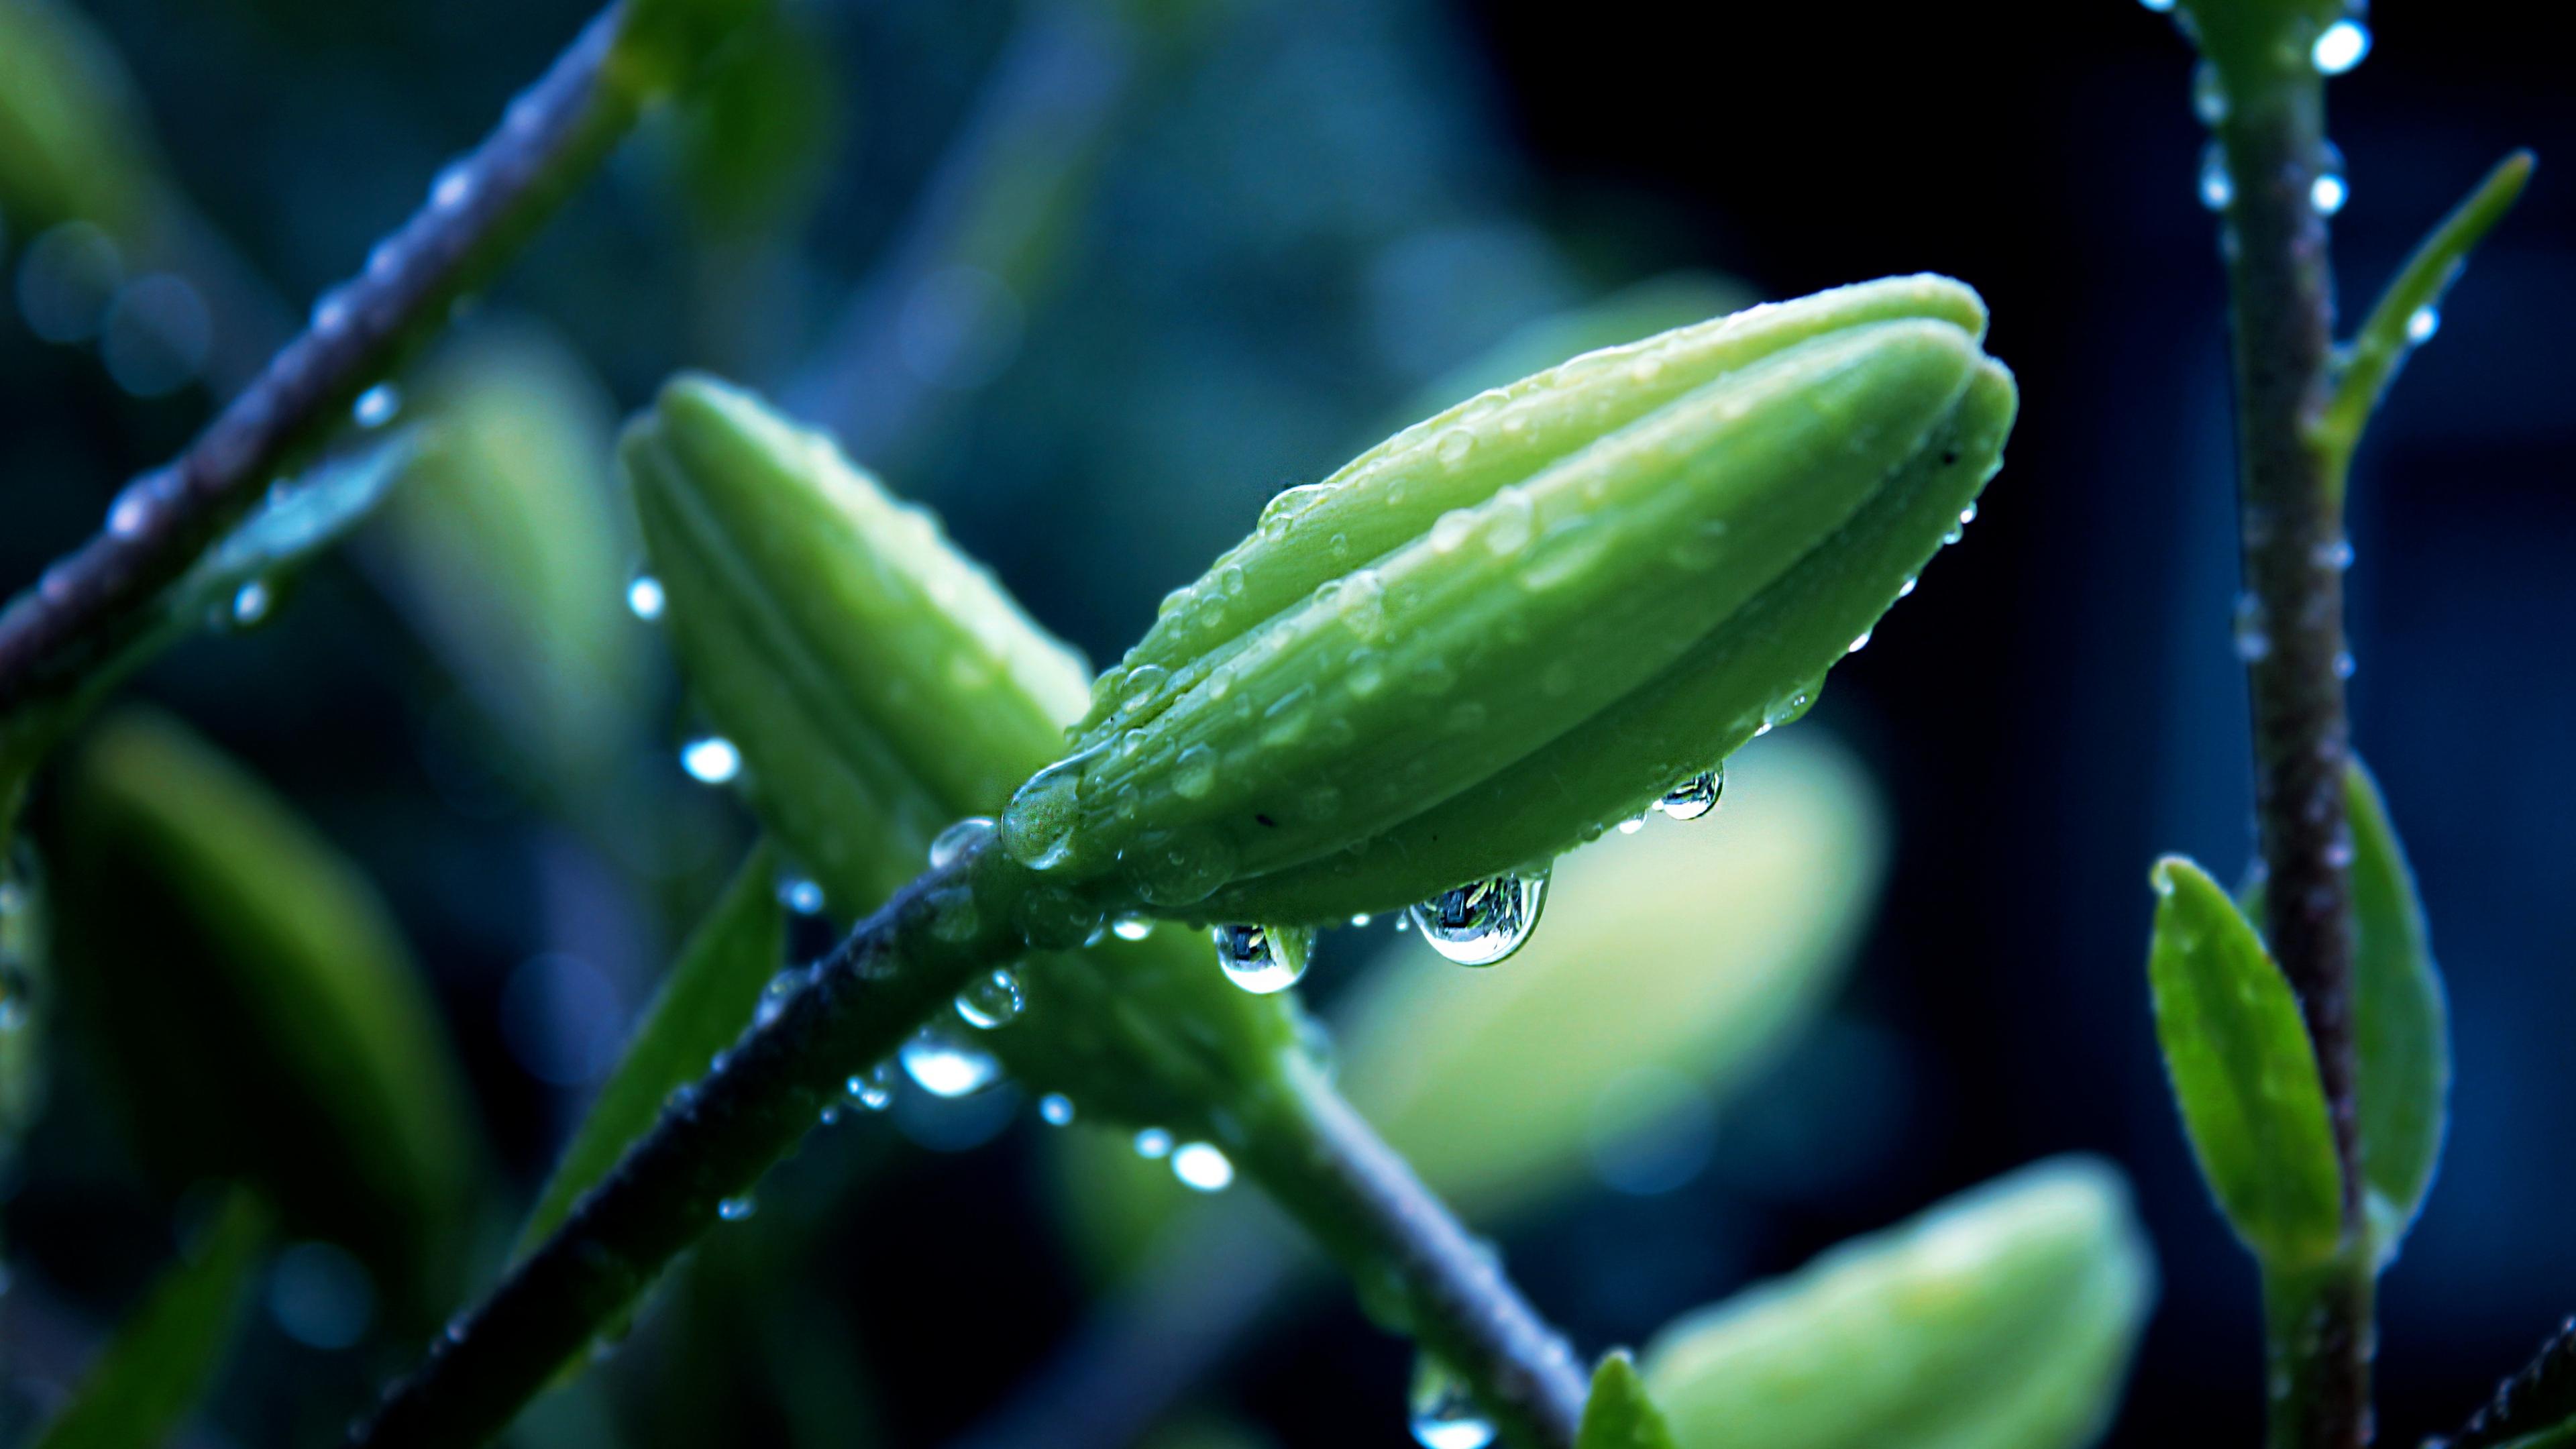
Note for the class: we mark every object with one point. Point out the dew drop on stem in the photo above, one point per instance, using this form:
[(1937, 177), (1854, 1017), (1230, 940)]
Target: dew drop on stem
[(1443, 1414), (993, 1000), (1484, 921), (2329, 191), (946, 1065), (952, 842), (873, 1088), (2217, 188)]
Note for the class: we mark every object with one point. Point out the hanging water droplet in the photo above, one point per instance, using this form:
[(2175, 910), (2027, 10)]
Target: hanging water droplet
[(2208, 94), (2340, 47), (1264, 959), (1038, 827), (773, 997), (1696, 796), (1481, 923), (873, 1088), (1907, 587), (644, 598), (802, 896), (1858, 644), (735, 1209), (1361, 919), (2217, 188), (1153, 1142), (1632, 825), (376, 406), (946, 1065), (994, 999), (711, 759), (1443, 1414), (250, 604), (2328, 192), (1199, 1165), (1967, 515), (1055, 1109), (1194, 773), (1132, 928), (2422, 323), (952, 842)]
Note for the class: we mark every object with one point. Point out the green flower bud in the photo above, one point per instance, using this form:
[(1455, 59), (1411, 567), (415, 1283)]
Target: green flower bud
[(2001, 1319), (1531, 615)]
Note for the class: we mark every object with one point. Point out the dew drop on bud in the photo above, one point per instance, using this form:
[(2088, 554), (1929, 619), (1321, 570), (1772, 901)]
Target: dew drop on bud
[(1201, 1167), (1038, 827), (1696, 796), (1264, 959), (1481, 923), (945, 1065), (1443, 1415), (995, 999), (952, 842)]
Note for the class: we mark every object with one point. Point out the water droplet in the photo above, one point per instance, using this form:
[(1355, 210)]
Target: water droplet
[(954, 841), (2422, 323), (1264, 959), (1194, 773), (830, 1115), (1360, 920), (1455, 445), (1510, 518), (873, 1088), (1200, 1166), (1443, 1412), (1481, 923), (1145, 680), (2158, 6), (711, 760), (2253, 640), (453, 185), (1038, 827), (250, 604), (735, 1209), (1632, 825), (995, 999), (1858, 644), (2343, 664), (1179, 867), (2217, 188), (1696, 796), (2339, 854), (376, 406), (1452, 530), (2328, 192), (802, 896), (2340, 47), (1055, 1109), (1132, 928), (2334, 553), (644, 598), (1908, 586), (1967, 515), (946, 1065), (330, 312), (2208, 94), (1153, 1142)]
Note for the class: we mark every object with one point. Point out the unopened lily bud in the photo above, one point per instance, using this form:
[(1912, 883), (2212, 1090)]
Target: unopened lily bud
[(2003, 1318), (1531, 615)]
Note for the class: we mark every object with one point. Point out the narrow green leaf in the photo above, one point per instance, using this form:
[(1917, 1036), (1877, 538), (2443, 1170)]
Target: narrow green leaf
[(2393, 328), (2243, 1072), (705, 1002), (2002, 1318), (1619, 1415), (2401, 1020), (253, 1007), (163, 1358)]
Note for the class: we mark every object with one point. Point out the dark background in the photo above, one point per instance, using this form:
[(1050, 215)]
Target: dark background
[(1301, 215)]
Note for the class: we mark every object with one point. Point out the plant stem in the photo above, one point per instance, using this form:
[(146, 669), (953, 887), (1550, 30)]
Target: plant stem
[(2291, 635), (479, 212), (1415, 1264)]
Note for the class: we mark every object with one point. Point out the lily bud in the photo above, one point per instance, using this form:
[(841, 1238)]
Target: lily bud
[(1531, 615)]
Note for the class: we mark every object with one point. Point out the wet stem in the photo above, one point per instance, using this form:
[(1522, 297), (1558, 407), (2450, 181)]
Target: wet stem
[(898, 968), (2280, 284)]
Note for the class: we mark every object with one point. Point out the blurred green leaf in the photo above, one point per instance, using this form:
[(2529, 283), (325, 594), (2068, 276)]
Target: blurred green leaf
[(162, 1359), (508, 551), (1619, 1415), (2401, 1020), (254, 1009), (25, 995), (2243, 1072), (2002, 1318), (710, 993), (755, 136), (74, 143)]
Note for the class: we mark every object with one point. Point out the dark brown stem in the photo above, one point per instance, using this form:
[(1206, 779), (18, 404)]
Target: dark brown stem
[(2290, 632), (90, 602)]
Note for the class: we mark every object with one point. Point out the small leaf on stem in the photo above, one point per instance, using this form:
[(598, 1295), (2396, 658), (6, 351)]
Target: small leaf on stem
[(1619, 1415)]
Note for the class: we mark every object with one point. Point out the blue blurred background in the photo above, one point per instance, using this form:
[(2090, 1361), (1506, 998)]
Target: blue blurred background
[(1096, 279)]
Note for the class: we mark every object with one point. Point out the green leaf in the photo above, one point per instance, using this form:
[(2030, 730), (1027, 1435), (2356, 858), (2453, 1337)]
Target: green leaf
[(2243, 1073), (703, 1005), (74, 141), (26, 995), (254, 1010), (2401, 1020), (162, 1359), (1619, 1415), (2002, 1318)]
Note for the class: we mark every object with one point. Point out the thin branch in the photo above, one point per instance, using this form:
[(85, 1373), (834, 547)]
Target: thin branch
[(712, 1143), (2291, 635), (479, 210), (2392, 329), (2540, 1398)]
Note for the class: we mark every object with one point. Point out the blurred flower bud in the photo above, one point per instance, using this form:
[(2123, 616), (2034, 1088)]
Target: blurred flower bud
[(1531, 615), (2002, 1318), (249, 999)]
